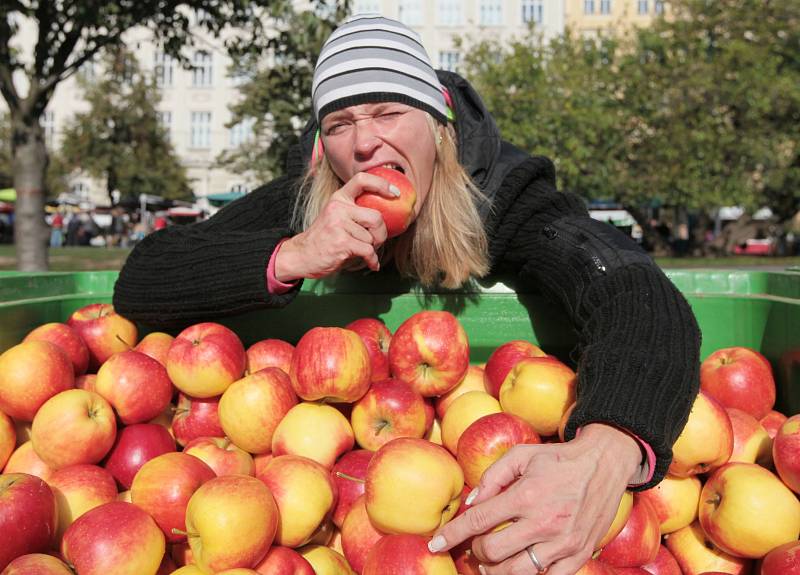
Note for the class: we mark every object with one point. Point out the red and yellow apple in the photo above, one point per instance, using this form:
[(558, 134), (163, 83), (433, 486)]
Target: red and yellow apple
[(503, 360), (463, 412), (664, 564), (79, 488), (205, 358), (331, 364), (116, 537), (196, 417), (30, 374), (747, 511), (751, 442), (251, 408), (28, 516), (637, 543), (104, 332), (696, 554), (136, 445), (772, 422), (25, 460), (348, 475), (155, 345), (706, 441), (231, 522), (67, 339), (37, 564), (539, 390), (739, 377), (430, 351), (314, 430), (269, 353), (283, 561), (786, 453), (783, 560), (359, 535), (675, 501), (8, 438), (222, 456), (326, 561), (473, 381), (390, 409), (304, 493), (74, 426), (397, 212), (376, 337), (136, 385), (407, 555)]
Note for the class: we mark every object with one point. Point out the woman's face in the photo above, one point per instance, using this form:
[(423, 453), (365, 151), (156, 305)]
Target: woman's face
[(368, 135)]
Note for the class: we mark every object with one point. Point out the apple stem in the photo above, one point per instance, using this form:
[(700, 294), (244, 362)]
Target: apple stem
[(349, 477), (123, 341), (176, 531)]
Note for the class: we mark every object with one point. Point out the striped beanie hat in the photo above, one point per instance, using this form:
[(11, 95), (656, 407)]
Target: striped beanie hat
[(370, 59)]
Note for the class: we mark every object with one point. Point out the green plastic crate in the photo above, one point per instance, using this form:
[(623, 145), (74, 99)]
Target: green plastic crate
[(755, 309)]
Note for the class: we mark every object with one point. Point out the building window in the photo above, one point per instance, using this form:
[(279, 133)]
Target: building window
[(81, 191), (448, 60), (164, 69), (366, 7), (491, 12), (242, 132), (202, 71), (165, 121), (201, 130), (239, 189), (449, 12), (605, 6), (659, 7), (533, 11), (409, 12), (588, 6), (48, 123), (643, 6)]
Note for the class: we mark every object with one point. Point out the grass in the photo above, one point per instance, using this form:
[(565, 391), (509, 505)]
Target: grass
[(89, 258)]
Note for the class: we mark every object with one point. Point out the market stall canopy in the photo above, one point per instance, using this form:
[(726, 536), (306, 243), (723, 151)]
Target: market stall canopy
[(223, 198), (8, 195)]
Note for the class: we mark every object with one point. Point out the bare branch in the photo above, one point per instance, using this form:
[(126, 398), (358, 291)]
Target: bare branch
[(56, 68)]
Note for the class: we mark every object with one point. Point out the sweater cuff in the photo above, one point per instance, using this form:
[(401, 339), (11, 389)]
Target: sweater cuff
[(274, 286), (647, 466)]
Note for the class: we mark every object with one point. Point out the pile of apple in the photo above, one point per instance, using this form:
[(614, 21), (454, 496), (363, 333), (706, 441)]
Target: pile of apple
[(194, 455)]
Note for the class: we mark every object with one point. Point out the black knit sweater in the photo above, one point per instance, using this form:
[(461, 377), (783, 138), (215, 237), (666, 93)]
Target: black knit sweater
[(638, 339)]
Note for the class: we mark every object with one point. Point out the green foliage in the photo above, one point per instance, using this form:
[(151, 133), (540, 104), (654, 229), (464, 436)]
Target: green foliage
[(278, 95), (698, 111), (120, 139)]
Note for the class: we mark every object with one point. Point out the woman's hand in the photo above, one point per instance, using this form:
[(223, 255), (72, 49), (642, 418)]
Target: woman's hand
[(561, 497), (342, 232)]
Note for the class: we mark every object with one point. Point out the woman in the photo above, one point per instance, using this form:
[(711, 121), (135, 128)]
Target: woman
[(483, 206)]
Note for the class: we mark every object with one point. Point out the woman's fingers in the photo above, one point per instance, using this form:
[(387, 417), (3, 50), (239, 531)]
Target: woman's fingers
[(364, 182), (371, 220), (505, 471)]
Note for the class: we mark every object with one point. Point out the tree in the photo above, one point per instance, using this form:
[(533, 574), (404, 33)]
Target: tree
[(120, 139), (72, 33), (277, 96)]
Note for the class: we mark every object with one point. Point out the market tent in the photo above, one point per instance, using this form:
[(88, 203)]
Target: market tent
[(223, 198), (8, 195)]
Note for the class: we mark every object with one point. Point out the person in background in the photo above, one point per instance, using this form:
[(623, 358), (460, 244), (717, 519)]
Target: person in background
[(57, 230), (483, 206)]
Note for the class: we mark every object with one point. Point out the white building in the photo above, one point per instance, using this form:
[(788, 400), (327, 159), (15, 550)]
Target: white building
[(195, 103)]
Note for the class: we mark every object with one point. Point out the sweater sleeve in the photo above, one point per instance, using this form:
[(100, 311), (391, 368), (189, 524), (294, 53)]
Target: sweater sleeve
[(210, 269), (638, 340)]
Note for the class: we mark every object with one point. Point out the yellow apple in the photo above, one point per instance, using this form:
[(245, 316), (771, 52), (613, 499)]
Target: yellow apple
[(326, 561), (706, 441), (412, 486), (747, 511), (696, 554), (539, 390), (463, 412), (473, 381), (314, 430), (675, 500)]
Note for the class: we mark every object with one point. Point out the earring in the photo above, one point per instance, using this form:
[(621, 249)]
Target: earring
[(439, 139)]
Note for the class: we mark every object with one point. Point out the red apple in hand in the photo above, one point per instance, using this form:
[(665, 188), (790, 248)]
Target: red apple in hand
[(117, 538), (376, 337), (136, 445), (269, 353), (739, 377), (397, 212), (67, 339), (30, 374), (430, 351), (348, 476), (104, 331), (28, 516)]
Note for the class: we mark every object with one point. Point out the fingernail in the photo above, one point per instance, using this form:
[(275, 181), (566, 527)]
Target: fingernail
[(482, 569), (395, 190), (436, 544), (471, 497)]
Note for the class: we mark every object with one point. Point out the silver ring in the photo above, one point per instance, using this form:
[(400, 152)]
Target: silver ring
[(534, 560)]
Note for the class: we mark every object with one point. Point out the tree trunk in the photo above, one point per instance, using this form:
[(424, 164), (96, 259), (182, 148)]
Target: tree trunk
[(30, 165), (659, 246)]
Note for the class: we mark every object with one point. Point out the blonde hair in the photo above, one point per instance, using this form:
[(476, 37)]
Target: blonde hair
[(446, 245)]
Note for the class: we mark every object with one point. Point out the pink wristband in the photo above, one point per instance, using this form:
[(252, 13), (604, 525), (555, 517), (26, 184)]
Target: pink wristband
[(649, 453), (274, 286)]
